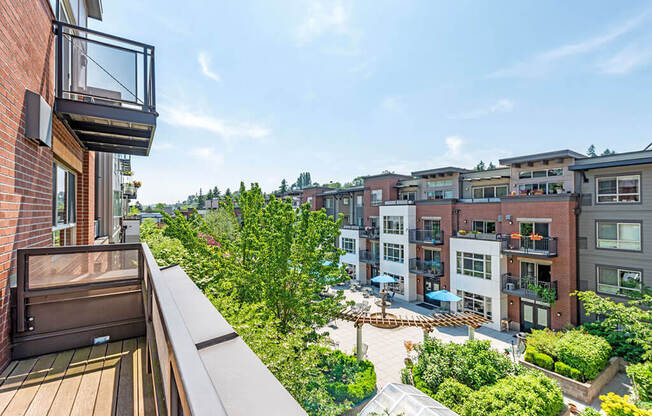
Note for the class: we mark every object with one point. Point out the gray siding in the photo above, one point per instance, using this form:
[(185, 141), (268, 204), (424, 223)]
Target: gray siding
[(590, 256)]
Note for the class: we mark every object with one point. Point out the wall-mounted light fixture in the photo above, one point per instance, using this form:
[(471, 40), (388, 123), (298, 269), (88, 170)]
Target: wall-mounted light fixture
[(465, 221), (511, 222), (511, 260), (558, 314), (511, 302)]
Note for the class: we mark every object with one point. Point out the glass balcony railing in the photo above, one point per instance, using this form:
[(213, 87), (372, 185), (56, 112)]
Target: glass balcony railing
[(426, 236), (368, 256), (430, 268)]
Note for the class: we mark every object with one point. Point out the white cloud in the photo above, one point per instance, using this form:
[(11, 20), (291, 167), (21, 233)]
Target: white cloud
[(454, 145), (162, 145), (541, 63), (205, 63), (503, 105), (184, 118), (207, 153), (394, 104), (323, 16), (627, 60)]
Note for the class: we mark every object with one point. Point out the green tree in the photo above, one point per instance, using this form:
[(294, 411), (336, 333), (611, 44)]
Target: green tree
[(284, 187), (216, 193), (633, 317), (591, 151), (608, 152), (302, 181), (480, 166), (160, 207), (491, 166), (222, 223)]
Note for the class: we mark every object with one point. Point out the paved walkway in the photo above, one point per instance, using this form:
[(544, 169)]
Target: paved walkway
[(385, 346), (387, 351)]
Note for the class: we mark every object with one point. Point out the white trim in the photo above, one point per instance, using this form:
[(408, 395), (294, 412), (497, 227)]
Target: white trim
[(431, 218), (534, 220), (63, 226)]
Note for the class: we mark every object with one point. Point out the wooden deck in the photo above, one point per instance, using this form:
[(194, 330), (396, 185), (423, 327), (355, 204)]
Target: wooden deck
[(107, 379)]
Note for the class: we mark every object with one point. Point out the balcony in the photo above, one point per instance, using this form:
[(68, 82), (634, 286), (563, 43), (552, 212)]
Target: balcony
[(427, 268), (432, 237), (474, 235), (102, 327), (529, 287), (368, 256), (129, 190), (534, 246), (105, 89), (372, 233)]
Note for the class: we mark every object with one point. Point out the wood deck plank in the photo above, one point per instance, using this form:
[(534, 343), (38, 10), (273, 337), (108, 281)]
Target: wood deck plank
[(25, 394), (107, 392), (87, 392), (65, 397), (50, 385), (148, 387), (127, 404), (14, 381), (5, 373)]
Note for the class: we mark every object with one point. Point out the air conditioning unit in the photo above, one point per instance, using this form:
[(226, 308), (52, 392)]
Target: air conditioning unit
[(509, 286)]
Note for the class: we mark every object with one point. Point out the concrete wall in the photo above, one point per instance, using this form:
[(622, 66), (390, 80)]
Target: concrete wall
[(408, 213)]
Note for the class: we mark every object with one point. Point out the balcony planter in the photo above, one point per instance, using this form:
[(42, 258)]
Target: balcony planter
[(515, 236)]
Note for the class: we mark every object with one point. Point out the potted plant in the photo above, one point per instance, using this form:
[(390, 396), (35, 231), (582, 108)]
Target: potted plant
[(137, 184)]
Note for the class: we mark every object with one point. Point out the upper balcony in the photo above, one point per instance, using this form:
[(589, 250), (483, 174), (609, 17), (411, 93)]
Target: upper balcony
[(368, 256), (533, 245), (427, 268), (372, 233), (431, 237), (109, 316), (105, 89), (529, 287), (476, 235)]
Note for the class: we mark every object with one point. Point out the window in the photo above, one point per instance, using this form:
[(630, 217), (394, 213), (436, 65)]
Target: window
[(358, 200), (527, 174), (528, 228), (443, 182), (407, 196), (376, 197), (618, 189), (445, 194), (432, 225), (616, 281), (393, 225), (64, 209), (624, 236), (541, 188), (398, 286), (348, 245), (345, 201), (490, 191), (393, 252), (486, 227), (474, 303), (309, 200), (327, 203), (471, 264)]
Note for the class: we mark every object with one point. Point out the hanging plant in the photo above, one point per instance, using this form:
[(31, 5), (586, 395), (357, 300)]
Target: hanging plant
[(536, 237), (547, 294), (137, 184)]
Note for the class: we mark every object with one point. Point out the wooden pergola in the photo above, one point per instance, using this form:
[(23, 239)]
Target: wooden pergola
[(428, 323)]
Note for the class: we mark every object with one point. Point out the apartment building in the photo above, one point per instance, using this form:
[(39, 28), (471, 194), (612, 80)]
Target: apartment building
[(506, 240), (614, 231)]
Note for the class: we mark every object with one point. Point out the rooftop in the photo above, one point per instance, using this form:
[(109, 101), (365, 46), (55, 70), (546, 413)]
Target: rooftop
[(619, 159), (557, 154), (437, 171)]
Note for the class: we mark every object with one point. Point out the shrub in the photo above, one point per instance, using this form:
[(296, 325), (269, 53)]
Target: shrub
[(348, 379), (623, 343), (474, 364), (529, 394), (589, 411), (615, 405), (452, 394), (641, 376), (529, 355), (587, 353), (544, 361), (563, 369), (544, 341)]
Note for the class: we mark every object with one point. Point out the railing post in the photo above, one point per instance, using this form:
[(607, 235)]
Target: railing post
[(59, 60), (145, 82)]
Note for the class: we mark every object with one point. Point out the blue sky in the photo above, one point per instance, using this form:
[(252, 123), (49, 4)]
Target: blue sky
[(262, 90)]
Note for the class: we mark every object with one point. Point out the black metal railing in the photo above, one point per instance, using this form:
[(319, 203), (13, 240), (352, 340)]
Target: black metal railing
[(370, 232), (426, 236), (530, 245), (96, 67), (426, 267), (529, 287), (368, 256), (474, 235)]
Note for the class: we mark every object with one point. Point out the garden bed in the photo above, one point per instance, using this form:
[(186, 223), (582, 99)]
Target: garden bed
[(585, 392)]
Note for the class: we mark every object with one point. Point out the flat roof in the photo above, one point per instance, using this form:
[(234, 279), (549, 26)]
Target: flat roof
[(386, 175), (497, 173), (619, 159), (542, 156), (344, 190), (447, 169)]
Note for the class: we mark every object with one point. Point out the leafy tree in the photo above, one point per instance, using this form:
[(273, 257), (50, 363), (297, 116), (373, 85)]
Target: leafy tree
[(634, 317), (159, 207), (284, 187), (139, 206), (302, 181), (216, 193), (227, 192), (491, 166), (334, 185), (201, 199), (222, 223), (608, 152), (480, 166), (591, 151)]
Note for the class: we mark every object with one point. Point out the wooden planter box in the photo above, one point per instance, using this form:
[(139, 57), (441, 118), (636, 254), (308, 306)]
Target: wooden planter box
[(584, 392)]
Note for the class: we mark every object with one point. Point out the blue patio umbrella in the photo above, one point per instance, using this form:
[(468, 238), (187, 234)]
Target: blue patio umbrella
[(383, 278), (326, 263), (443, 296)]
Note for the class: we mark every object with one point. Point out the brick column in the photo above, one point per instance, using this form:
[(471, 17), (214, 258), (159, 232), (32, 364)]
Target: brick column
[(86, 201)]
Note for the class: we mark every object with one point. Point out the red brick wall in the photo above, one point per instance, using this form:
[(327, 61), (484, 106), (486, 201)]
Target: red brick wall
[(447, 224), (26, 62), (390, 193), (86, 201)]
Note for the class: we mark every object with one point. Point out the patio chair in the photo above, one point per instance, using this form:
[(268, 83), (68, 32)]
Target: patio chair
[(390, 296)]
